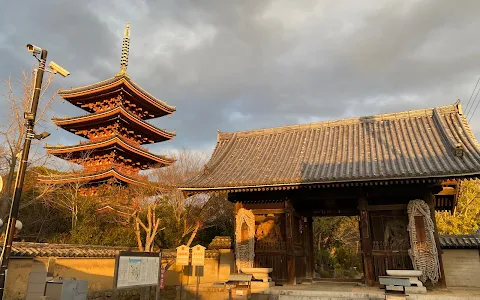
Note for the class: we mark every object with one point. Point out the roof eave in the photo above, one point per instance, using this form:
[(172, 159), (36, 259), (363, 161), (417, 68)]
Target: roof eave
[(113, 82), (64, 122), (60, 150), (339, 183), (101, 175)]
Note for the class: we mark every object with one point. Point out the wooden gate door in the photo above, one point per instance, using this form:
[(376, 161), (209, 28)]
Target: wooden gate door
[(270, 249), (390, 241)]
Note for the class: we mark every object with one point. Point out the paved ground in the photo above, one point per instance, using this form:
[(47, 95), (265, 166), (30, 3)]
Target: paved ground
[(319, 290)]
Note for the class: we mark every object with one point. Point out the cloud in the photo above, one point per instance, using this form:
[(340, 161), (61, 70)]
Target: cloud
[(250, 64)]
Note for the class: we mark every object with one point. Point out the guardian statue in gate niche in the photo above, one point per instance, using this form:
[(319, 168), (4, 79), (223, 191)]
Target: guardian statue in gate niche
[(268, 235), (244, 238)]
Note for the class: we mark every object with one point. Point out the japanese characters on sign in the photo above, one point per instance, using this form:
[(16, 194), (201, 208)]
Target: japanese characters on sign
[(198, 255), (183, 255), (162, 278), (137, 269)]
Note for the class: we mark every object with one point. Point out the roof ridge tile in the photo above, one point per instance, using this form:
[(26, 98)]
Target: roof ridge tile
[(340, 122)]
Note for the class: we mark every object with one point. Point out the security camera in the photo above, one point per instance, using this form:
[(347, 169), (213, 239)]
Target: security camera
[(28, 116), (58, 69), (34, 49), (42, 135)]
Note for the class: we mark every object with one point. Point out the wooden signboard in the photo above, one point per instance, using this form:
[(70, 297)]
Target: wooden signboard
[(183, 255), (198, 255)]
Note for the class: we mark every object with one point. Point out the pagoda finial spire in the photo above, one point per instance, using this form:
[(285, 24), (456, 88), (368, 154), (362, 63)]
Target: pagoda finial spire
[(125, 50)]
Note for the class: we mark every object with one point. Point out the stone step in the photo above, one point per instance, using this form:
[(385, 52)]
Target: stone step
[(315, 298), (321, 295), (324, 295)]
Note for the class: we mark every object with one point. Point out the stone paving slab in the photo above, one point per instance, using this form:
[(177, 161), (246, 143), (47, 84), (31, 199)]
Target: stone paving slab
[(347, 291)]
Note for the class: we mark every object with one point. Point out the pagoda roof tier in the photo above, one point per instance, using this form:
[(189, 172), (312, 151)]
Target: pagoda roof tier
[(112, 86), (113, 143), (104, 118), (91, 177)]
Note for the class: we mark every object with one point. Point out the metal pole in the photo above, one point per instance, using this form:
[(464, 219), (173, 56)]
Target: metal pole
[(181, 283), (17, 194), (197, 269), (160, 277)]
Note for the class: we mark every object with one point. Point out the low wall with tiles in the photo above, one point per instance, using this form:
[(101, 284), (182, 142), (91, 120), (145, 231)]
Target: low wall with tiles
[(99, 272)]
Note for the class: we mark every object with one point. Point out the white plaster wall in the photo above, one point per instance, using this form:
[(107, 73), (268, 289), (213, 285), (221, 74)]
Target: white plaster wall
[(462, 267)]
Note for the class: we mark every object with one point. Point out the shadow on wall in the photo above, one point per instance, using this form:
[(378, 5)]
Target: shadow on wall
[(99, 272), (19, 271)]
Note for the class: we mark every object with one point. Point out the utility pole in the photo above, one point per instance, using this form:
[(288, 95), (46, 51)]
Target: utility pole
[(30, 118), (17, 194)]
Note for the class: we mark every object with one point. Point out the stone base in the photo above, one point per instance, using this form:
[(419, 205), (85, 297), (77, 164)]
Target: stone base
[(395, 297), (415, 281), (415, 290), (408, 289), (397, 288), (260, 286)]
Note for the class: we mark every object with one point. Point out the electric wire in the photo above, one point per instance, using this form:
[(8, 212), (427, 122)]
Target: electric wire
[(471, 116), (466, 107)]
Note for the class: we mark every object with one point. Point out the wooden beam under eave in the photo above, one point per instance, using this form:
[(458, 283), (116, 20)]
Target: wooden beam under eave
[(387, 207), (268, 211)]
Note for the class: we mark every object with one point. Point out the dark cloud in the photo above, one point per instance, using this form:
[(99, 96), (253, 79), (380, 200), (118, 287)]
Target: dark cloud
[(249, 64)]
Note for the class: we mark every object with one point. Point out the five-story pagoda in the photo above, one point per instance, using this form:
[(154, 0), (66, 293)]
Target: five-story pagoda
[(116, 129)]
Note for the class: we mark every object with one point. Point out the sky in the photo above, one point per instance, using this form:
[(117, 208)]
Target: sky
[(240, 65)]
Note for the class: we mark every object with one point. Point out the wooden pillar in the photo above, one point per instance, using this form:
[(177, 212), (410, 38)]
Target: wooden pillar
[(289, 243), (366, 242), (442, 282), (238, 205), (310, 251)]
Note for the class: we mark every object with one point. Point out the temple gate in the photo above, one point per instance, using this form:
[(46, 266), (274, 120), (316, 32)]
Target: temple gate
[(370, 167)]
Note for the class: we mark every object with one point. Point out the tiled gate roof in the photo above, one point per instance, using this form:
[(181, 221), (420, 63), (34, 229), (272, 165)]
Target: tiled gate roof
[(418, 144)]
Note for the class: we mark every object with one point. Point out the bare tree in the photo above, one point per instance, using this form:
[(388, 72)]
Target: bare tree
[(141, 201), (12, 129), (151, 228), (69, 196), (188, 211)]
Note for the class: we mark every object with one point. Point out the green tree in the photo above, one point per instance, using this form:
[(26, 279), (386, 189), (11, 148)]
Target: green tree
[(466, 217), (337, 246), (40, 222)]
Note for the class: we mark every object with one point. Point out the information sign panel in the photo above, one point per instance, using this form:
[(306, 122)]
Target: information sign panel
[(198, 255), (134, 269), (183, 255)]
